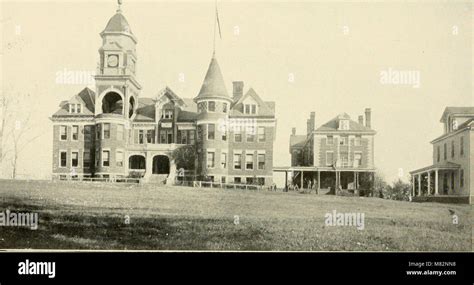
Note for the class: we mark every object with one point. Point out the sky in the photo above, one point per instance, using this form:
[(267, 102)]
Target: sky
[(326, 57)]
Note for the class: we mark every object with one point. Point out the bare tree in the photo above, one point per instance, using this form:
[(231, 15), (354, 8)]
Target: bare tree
[(20, 140)]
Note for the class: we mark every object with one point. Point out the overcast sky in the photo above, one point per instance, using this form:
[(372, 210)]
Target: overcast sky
[(336, 53)]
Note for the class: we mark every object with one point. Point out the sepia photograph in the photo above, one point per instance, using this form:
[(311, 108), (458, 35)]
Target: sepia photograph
[(237, 126)]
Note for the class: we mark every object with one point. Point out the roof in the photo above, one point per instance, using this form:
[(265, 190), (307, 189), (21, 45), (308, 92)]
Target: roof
[(145, 110), (188, 112), (333, 125), (266, 108), (456, 110), (446, 165), (118, 24), (85, 97), (213, 85), (297, 140), (461, 127)]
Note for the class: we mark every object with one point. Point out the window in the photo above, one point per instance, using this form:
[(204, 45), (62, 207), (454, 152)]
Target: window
[(141, 136), (224, 160), (344, 159), (105, 158), (357, 159), (74, 159), (183, 137), (461, 178), (445, 152), (119, 132), (330, 140), (63, 133), (86, 160), (439, 152), (75, 133), (250, 134), (210, 159), (343, 140), (211, 131), (63, 159), (97, 131), (261, 181), (167, 114), (79, 108), (461, 147), (250, 109), (202, 107), (452, 181), (329, 157), (249, 161), (358, 140), (222, 179), (237, 161), (249, 180), (247, 109), (72, 108), (224, 134), (261, 161), (224, 107), (97, 158), (212, 106), (237, 180), (261, 134), (119, 158), (452, 149), (237, 135), (106, 130), (170, 136), (87, 133), (150, 136), (191, 137), (254, 109)]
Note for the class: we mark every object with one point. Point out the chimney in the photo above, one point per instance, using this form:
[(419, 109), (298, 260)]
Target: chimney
[(313, 120), (238, 89), (367, 117), (361, 120), (293, 131)]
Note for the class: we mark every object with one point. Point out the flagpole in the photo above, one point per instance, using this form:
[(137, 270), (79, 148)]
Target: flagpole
[(215, 22)]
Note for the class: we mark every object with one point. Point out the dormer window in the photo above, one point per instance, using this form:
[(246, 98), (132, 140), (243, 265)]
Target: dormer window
[(75, 108), (167, 114), (344, 125), (250, 109)]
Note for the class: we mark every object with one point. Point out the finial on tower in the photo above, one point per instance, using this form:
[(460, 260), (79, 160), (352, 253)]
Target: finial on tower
[(119, 4)]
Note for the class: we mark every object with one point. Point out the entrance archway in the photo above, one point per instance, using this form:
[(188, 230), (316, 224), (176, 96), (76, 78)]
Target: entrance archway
[(136, 162), (161, 164)]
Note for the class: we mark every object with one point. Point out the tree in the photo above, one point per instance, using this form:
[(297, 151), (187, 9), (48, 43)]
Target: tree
[(184, 157), (399, 190), (380, 186)]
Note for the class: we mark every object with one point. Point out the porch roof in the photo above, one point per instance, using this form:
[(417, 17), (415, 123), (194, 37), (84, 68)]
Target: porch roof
[(315, 168), (442, 166)]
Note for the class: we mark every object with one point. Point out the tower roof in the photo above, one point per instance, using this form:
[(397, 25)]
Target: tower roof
[(118, 24), (213, 85)]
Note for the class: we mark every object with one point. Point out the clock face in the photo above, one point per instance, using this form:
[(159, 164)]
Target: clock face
[(112, 60)]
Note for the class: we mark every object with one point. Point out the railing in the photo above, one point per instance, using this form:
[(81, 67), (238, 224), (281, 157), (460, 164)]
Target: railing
[(96, 179), (210, 184)]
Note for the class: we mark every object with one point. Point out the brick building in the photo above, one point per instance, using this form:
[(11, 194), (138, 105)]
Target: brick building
[(337, 155), (112, 132), (450, 177)]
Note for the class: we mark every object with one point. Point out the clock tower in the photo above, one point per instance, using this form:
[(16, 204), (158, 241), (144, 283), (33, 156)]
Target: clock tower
[(117, 89)]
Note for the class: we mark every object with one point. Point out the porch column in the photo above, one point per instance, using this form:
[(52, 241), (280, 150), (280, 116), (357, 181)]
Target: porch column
[(419, 184), (355, 180), (319, 183), (286, 181), (429, 184), (302, 181), (413, 185), (436, 183)]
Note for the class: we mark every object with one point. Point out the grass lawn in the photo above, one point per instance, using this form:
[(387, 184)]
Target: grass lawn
[(94, 216)]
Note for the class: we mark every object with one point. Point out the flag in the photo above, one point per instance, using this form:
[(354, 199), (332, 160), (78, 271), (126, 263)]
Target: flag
[(218, 22)]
